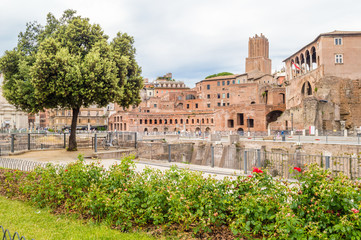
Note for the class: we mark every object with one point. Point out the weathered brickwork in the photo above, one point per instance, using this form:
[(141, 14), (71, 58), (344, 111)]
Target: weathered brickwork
[(323, 84), (235, 103)]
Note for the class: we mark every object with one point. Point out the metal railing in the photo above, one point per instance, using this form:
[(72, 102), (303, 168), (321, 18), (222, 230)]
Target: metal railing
[(233, 157), (7, 236), (17, 142), (23, 165)]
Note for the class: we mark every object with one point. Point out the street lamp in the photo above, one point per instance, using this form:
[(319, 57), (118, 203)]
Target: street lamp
[(292, 122)]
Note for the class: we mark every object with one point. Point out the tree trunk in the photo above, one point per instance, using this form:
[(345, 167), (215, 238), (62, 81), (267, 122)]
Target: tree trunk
[(72, 137)]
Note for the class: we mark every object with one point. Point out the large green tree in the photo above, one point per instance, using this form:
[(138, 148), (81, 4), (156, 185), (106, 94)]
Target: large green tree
[(70, 63)]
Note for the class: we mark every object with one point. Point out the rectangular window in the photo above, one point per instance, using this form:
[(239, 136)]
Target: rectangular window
[(155, 105), (196, 105), (239, 81), (240, 119), (250, 123), (233, 81), (208, 86), (223, 95), (227, 82), (338, 41), (218, 95), (208, 105), (219, 104), (218, 83), (338, 58), (208, 96), (227, 95), (187, 105), (223, 83), (170, 121), (224, 104)]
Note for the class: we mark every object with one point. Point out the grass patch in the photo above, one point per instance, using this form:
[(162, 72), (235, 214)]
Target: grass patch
[(36, 223)]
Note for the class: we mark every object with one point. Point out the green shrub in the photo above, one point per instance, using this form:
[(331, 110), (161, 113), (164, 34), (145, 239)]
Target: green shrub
[(318, 205)]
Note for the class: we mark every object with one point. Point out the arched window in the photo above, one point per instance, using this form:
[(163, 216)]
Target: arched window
[(190, 96)]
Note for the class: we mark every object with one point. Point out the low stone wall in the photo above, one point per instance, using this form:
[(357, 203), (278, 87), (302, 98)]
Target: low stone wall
[(305, 148), (118, 154)]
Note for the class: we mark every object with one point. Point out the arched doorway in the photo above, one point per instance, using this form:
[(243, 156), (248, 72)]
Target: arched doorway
[(306, 89), (240, 131), (273, 116), (155, 129)]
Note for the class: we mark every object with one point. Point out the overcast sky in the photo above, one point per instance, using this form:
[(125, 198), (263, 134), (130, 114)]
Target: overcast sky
[(194, 38)]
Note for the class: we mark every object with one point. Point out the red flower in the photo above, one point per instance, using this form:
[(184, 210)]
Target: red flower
[(355, 210), (249, 175), (257, 170), (297, 168), (66, 170)]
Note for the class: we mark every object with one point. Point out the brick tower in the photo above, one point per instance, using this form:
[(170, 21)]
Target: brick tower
[(258, 48)]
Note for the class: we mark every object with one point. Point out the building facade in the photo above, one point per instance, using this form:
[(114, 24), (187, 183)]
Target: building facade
[(234, 103), (323, 83), (88, 118), (10, 117)]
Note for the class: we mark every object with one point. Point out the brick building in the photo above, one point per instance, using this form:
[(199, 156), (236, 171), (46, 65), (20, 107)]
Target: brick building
[(323, 86), (237, 103), (93, 116)]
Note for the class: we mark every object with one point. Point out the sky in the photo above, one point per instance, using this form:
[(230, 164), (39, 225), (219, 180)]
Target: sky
[(194, 38)]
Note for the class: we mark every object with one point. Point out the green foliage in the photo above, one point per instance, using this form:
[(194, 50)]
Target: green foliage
[(69, 64), (317, 206), (219, 74)]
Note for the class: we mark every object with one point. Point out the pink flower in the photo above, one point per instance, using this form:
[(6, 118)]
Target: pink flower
[(257, 170), (125, 189), (250, 176), (355, 210), (297, 168)]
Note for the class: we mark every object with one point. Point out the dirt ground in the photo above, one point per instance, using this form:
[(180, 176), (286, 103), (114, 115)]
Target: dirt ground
[(55, 156)]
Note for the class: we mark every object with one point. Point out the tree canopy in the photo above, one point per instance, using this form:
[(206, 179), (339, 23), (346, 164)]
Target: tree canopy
[(219, 74), (70, 63)]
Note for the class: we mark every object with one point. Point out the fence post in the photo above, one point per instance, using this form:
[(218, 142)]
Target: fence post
[(245, 162), (169, 153), (135, 140), (12, 142), (326, 137), (28, 141), (212, 156), (64, 140), (95, 143), (327, 162), (259, 158)]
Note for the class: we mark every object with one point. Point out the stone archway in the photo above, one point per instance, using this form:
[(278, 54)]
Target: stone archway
[(240, 131), (155, 129), (273, 116)]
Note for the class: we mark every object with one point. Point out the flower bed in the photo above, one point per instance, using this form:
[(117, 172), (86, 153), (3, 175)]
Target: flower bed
[(318, 205)]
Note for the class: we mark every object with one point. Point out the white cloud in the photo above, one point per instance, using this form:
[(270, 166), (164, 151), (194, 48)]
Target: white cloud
[(193, 39)]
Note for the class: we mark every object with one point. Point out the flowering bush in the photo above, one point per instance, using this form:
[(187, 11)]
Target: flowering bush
[(318, 205)]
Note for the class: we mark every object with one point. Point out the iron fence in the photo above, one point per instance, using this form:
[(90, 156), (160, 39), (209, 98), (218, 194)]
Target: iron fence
[(7, 236), (278, 164), (17, 142), (20, 164)]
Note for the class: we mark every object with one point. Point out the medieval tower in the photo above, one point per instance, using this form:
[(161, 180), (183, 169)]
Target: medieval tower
[(258, 48)]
